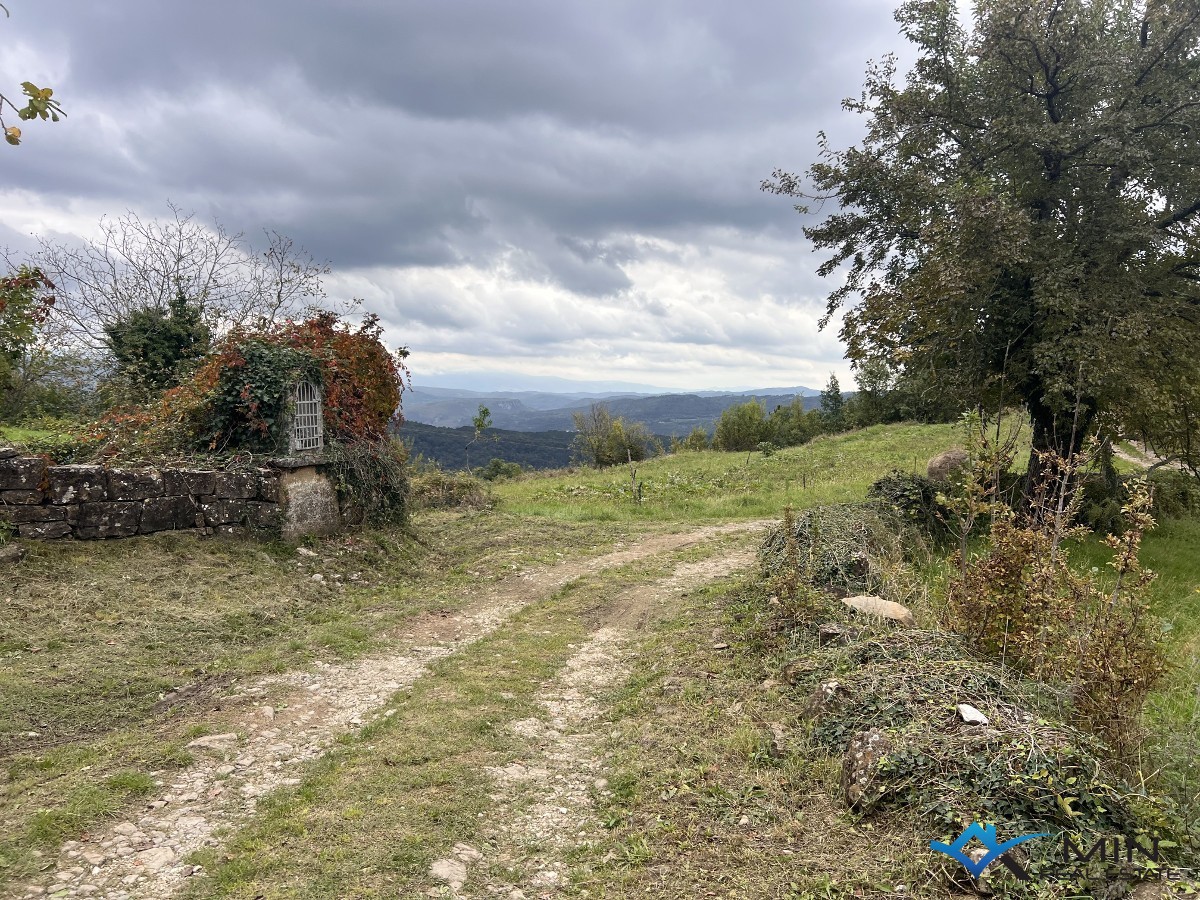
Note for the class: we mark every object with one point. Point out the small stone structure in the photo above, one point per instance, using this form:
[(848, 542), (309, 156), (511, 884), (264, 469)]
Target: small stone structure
[(89, 502)]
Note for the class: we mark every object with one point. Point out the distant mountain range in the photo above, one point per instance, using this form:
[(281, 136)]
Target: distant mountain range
[(447, 446), (664, 414)]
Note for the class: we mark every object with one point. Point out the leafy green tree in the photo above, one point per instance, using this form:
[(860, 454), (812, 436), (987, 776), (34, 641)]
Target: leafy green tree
[(152, 346), (696, 440), (481, 421), (833, 405), (602, 440), (25, 305), (876, 401), (1022, 217), (791, 425), (742, 427)]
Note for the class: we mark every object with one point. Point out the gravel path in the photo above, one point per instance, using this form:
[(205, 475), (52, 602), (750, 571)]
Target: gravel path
[(543, 803), (143, 857)]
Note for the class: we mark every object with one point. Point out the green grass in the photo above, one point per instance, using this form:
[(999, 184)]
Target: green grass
[(713, 486), (706, 801), (18, 436)]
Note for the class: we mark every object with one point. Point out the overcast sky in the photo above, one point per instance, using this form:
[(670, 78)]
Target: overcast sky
[(520, 188)]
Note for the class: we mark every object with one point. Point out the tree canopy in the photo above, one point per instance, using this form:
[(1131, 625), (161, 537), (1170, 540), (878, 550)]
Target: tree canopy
[(1021, 221)]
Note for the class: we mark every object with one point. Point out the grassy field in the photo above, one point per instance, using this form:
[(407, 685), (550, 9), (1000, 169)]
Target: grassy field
[(711, 486), (18, 435), (111, 655)]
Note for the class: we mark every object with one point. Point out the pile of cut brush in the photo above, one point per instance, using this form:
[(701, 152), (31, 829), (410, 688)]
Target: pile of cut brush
[(933, 733)]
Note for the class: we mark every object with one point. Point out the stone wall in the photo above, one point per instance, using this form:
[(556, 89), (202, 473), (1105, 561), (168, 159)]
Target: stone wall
[(90, 502)]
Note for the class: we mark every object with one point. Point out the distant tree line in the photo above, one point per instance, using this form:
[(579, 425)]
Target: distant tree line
[(882, 397)]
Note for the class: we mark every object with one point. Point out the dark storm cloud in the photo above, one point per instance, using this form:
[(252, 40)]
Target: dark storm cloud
[(579, 146)]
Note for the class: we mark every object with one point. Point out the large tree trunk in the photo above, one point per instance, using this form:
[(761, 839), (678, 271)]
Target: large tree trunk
[(1057, 434)]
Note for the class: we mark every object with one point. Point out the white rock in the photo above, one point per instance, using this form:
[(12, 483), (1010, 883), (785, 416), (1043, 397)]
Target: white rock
[(884, 609), (449, 870), (156, 858), (214, 741), (467, 853), (971, 715)]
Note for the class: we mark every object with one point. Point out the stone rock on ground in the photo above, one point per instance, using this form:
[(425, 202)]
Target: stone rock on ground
[(860, 768), (946, 464), (452, 871)]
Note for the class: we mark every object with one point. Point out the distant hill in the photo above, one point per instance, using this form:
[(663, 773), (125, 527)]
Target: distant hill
[(532, 449), (665, 414)]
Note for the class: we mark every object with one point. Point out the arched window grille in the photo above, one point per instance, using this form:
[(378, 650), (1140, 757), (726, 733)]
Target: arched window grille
[(308, 431)]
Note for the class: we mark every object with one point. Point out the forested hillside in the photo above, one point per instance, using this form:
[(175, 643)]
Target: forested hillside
[(445, 446)]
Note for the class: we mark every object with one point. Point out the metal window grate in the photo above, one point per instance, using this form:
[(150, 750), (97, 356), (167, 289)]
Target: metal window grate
[(307, 428)]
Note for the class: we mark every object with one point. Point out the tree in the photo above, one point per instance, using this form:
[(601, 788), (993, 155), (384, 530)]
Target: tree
[(482, 421), (602, 440), (832, 405), (696, 440), (25, 304), (138, 264), (1021, 222), (39, 104), (151, 346), (875, 401), (741, 427)]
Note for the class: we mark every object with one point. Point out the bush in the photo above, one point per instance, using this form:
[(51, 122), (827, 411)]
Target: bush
[(696, 440), (915, 499), (1020, 601), (371, 479), (431, 488), (1176, 494), (499, 470), (603, 441), (741, 427)]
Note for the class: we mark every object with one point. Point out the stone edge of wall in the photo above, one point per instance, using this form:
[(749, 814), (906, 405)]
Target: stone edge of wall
[(94, 502)]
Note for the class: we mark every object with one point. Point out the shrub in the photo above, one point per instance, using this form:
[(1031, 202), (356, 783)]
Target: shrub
[(499, 470), (741, 427), (1020, 601), (371, 479), (603, 440), (1176, 494), (846, 547), (152, 345), (696, 440), (916, 500), (431, 488)]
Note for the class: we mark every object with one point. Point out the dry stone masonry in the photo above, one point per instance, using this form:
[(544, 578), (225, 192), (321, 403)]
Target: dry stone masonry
[(90, 502)]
